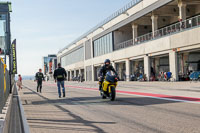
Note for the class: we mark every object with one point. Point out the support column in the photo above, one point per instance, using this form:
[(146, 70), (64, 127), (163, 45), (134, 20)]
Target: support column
[(113, 64), (93, 73), (79, 71), (147, 69), (134, 31), (154, 19), (74, 73), (70, 75), (85, 74), (182, 10), (80, 76), (127, 70), (173, 64)]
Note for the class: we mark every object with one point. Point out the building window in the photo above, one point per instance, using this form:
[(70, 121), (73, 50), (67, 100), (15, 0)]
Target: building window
[(103, 45), (73, 57)]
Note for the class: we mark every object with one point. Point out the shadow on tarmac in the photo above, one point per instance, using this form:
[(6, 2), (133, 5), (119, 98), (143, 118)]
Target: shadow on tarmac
[(135, 101)]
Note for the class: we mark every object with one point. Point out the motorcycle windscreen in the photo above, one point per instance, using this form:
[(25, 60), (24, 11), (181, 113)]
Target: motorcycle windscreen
[(110, 76)]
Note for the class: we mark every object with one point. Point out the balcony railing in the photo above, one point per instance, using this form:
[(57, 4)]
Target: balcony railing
[(124, 44), (172, 29)]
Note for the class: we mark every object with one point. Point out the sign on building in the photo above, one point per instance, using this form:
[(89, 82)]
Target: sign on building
[(14, 57)]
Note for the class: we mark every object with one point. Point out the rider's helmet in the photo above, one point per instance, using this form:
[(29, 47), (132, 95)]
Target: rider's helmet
[(107, 62)]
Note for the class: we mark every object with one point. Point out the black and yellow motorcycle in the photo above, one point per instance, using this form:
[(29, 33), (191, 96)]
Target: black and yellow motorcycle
[(109, 86)]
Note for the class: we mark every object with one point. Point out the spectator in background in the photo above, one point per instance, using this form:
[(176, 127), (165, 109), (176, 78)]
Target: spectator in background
[(19, 82), (169, 75)]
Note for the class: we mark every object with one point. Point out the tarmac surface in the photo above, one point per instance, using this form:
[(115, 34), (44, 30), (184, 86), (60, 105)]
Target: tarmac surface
[(140, 107)]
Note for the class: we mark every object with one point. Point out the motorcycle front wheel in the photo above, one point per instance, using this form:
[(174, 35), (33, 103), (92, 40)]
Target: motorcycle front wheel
[(113, 93), (102, 95)]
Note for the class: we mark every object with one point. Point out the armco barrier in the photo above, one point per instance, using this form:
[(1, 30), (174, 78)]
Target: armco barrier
[(18, 122), (12, 119), (6, 115), (4, 84)]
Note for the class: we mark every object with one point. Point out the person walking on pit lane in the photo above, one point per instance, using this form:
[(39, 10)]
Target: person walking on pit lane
[(39, 77), (60, 76), (19, 82)]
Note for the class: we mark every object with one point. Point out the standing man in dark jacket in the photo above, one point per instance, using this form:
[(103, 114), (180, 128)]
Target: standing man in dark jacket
[(104, 69), (60, 76), (39, 77)]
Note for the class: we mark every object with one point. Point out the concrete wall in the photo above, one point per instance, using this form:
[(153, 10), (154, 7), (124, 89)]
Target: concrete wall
[(75, 66), (181, 41), (89, 73), (88, 51), (144, 29), (190, 37), (184, 40), (6, 115), (122, 35), (197, 9)]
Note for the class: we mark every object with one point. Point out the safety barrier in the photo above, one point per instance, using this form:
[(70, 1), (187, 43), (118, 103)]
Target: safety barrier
[(4, 84)]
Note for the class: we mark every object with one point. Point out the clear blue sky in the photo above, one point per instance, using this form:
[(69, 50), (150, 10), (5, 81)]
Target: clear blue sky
[(42, 27)]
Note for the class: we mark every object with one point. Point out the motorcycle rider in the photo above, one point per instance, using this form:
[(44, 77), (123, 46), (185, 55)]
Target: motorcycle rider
[(104, 69)]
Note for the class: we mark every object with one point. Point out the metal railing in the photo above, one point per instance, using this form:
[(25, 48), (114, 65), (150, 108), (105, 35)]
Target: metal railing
[(119, 12), (4, 84), (111, 17), (124, 44), (172, 29)]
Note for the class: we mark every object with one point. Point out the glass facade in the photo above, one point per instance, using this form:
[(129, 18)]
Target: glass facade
[(73, 57), (2, 33), (103, 45)]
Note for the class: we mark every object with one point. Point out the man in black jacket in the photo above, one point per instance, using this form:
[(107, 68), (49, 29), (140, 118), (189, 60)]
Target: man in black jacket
[(104, 69), (39, 77), (60, 76)]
